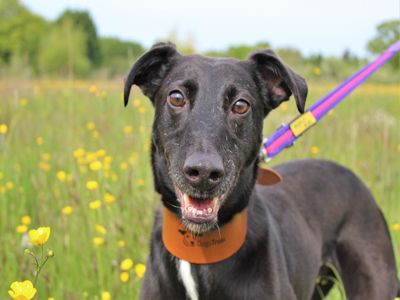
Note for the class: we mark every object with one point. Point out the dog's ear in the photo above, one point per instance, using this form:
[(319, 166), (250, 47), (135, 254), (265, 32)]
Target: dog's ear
[(149, 70), (278, 80)]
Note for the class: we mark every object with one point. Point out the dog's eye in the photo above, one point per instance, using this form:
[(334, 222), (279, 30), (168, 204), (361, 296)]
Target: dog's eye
[(176, 99), (240, 107)]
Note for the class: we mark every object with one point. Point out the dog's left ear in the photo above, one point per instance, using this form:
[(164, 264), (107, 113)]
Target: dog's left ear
[(149, 70), (278, 80)]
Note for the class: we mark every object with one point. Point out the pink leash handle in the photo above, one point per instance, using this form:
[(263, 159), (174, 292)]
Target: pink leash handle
[(286, 135)]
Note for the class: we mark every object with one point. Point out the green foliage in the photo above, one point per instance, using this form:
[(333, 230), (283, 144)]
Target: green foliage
[(20, 33), (238, 51), (362, 134), (83, 21), (63, 51), (118, 55), (388, 33)]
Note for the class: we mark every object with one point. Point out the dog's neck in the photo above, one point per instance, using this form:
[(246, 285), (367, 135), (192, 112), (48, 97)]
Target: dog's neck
[(210, 247)]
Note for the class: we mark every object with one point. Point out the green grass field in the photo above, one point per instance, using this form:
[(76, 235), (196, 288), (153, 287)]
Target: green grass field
[(60, 135)]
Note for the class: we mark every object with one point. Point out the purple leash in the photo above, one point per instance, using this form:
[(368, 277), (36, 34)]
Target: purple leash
[(286, 135)]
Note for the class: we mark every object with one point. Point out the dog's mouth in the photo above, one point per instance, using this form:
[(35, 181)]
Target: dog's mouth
[(199, 211)]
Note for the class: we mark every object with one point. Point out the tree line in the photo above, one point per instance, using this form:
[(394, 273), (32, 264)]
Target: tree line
[(70, 47)]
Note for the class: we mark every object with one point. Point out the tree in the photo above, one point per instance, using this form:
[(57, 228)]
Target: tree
[(20, 33), (118, 55), (83, 21), (388, 33), (63, 51)]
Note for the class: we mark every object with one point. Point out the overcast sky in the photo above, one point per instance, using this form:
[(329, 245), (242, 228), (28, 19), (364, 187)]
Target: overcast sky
[(313, 26)]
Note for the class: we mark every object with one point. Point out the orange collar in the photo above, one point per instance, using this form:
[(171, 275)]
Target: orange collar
[(210, 247)]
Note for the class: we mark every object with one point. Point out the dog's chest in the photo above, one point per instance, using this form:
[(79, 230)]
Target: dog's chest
[(188, 281)]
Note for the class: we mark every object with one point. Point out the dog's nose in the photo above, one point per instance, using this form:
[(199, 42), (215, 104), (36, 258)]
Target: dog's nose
[(204, 170)]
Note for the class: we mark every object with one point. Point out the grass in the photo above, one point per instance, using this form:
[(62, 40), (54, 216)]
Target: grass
[(41, 173)]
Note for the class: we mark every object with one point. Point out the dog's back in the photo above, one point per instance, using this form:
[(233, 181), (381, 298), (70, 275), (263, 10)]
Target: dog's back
[(325, 208)]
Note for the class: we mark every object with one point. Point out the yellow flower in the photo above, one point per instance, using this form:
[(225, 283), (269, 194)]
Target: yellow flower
[(127, 129), (95, 134), (94, 204), (126, 264), (62, 176), (142, 129), (123, 166), (26, 220), (314, 150), (108, 198), (90, 126), (50, 298), (98, 241), (67, 210), (93, 89), (142, 110), (140, 182), (22, 228), (39, 236), (46, 156), (9, 185), (133, 158), (101, 229), (284, 106), (121, 243), (22, 290), (92, 185), (330, 112), (79, 153), (95, 166), (317, 71), (44, 166), (3, 128), (396, 227), (23, 102), (140, 269), (105, 295), (136, 102), (101, 153), (39, 140), (124, 276)]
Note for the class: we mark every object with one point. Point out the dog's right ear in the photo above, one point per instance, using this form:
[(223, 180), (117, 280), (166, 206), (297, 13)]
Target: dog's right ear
[(149, 70)]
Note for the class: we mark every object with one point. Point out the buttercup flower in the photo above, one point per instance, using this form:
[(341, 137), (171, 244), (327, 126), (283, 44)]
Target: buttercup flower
[(109, 198), (3, 128), (98, 241), (94, 204), (22, 290), (105, 296), (22, 228), (140, 269), (126, 264), (101, 229), (39, 236), (92, 185), (67, 210), (95, 166), (124, 276), (26, 220)]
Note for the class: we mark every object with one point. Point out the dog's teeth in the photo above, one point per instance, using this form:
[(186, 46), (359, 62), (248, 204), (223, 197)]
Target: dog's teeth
[(209, 210), (185, 199), (199, 212)]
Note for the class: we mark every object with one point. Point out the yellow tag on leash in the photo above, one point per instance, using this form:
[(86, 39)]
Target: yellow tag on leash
[(302, 123)]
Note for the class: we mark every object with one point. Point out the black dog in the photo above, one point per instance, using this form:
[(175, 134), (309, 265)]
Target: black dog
[(206, 138)]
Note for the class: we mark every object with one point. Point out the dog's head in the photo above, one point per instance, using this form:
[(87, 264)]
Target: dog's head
[(208, 125)]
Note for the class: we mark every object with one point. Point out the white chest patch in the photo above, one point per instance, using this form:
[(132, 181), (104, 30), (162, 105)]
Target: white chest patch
[(187, 279)]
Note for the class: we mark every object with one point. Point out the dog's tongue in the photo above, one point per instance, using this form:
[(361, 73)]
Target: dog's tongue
[(199, 210)]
